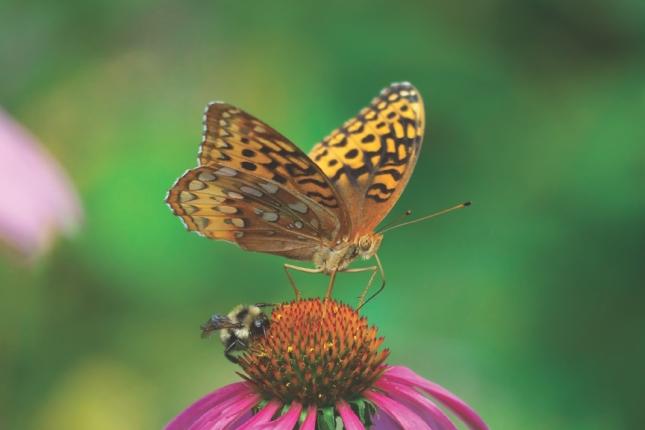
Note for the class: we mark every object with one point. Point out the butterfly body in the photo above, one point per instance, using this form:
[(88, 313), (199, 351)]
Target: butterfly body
[(337, 258), (257, 189)]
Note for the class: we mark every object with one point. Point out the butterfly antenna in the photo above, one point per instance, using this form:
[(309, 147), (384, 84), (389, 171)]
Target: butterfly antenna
[(394, 221), (423, 218)]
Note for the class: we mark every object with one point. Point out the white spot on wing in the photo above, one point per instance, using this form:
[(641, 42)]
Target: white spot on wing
[(226, 171), (206, 176), (238, 222), (269, 188), (185, 196), (270, 216), (200, 222), (196, 185), (252, 191), (299, 207), (226, 209)]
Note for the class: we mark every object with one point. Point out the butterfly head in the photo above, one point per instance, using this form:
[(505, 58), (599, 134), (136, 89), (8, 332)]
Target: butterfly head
[(368, 244)]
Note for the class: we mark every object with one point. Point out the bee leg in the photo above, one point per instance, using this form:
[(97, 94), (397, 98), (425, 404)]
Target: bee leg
[(299, 269), (236, 344), (233, 359), (382, 272)]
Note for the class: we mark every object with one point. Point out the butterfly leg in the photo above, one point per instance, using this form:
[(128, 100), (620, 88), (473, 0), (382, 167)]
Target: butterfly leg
[(330, 288), (374, 270), (362, 302), (299, 269)]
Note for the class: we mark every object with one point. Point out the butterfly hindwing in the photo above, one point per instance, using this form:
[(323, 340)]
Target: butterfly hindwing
[(258, 214), (235, 139), (370, 159)]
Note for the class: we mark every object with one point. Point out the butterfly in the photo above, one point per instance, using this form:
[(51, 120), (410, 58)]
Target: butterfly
[(255, 188)]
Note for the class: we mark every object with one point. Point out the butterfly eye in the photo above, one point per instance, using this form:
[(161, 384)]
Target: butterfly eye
[(365, 243)]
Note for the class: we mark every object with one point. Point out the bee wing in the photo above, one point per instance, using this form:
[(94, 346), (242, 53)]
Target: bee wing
[(218, 322)]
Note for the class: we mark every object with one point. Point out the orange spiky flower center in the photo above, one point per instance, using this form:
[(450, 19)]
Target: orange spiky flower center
[(315, 352)]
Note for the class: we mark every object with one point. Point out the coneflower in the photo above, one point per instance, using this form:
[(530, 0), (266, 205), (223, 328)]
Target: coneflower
[(38, 200), (319, 365)]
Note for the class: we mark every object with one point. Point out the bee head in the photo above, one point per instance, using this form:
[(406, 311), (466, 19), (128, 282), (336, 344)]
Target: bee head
[(259, 325)]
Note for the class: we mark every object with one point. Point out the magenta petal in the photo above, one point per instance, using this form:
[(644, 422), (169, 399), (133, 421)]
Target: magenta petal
[(233, 412), (400, 413), (191, 414), (310, 421), (382, 421), (241, 420), (466, 413), (287, 421), (420, 404), (264, 416), (225, 413), (350, 420)]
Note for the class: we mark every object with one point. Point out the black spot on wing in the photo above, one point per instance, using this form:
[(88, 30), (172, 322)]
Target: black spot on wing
[(248, 166)]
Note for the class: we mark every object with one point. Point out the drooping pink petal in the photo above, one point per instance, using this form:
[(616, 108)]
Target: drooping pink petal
[(382, 421), (420, 404), (350, 420), (220, 416), (466, 413), (191, 414), (285, 422), (38, 199), (241, 420), (264, 416), (233, 412), (399, 413), (310, 421)]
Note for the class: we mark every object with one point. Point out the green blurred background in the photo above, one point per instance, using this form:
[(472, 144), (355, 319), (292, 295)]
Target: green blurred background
[(529, 305)]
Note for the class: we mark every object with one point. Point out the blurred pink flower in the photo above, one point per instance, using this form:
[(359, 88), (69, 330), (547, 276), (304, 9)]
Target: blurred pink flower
[(38, 199), (400, 397)]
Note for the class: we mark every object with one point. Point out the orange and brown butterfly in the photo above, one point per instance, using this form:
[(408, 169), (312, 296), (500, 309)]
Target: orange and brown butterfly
[(255, 188)]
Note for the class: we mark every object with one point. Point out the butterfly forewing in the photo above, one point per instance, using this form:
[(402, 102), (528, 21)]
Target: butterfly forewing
[(236, 139), (371, 157)]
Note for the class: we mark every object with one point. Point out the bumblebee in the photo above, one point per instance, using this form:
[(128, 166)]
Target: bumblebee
[(239, 328)]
